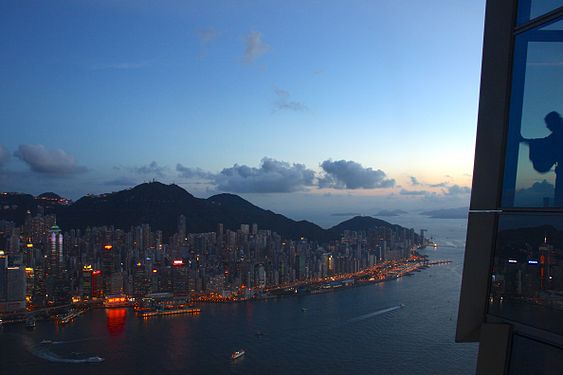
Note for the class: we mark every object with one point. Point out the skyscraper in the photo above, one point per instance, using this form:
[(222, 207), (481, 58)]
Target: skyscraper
[(55, 250)]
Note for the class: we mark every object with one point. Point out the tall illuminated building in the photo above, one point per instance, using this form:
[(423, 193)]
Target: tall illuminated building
[(55, 250), (179, 278), (87, 281), (107, 268)]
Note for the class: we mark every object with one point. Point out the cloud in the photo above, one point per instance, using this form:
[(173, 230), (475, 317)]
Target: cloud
[(151, 169), (439, 184), (272, 176), (414, 181), (413, 192), (207, 35), (344, 174), (188, 172), (255, 47), (121, 181), (49, 162), (457, 190), (4, 156), (282, 103)]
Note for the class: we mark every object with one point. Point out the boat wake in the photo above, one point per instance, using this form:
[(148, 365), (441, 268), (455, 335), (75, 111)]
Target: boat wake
[(48, 355), (42, 351), (375, 313)]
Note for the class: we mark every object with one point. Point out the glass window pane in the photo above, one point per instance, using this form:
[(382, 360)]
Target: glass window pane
[(530, 9), (535, 136), (527, 277), (533, 357)]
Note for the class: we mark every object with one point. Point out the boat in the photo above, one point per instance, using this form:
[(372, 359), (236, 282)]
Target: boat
[(94, 359), (237, 354), (30, 323), (149, 313), (259, 333), (46, 342), (303, 309)]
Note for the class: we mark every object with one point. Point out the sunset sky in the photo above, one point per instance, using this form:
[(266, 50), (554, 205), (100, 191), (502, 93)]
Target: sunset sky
[(295, 105)]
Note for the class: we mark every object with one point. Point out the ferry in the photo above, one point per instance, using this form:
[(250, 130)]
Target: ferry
[(237, 354), (30, 323), (69, 316), (147, 314)]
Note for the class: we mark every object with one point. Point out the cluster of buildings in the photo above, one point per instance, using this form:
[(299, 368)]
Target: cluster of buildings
[(41, 266)]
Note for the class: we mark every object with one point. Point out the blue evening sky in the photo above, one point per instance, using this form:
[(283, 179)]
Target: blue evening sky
[(347, 100)]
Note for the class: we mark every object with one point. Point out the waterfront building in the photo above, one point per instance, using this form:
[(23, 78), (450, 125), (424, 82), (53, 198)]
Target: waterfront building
[(512, 288)]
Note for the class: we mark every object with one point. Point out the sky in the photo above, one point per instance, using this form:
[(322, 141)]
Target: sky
[(298, 106)]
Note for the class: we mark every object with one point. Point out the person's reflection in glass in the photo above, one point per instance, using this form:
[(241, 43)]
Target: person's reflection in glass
[(547, 152)]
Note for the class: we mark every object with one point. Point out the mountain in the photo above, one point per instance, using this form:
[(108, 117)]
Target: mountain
[(159, 205), (49, 195), (14, 206), (236, 211), (362, 223)]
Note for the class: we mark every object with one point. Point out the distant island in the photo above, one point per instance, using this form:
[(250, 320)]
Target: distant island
[(447, 213), (388, 213), (346, 214)]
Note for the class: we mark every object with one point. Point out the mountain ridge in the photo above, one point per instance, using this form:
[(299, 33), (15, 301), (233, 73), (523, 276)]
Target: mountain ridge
[(160, 205)]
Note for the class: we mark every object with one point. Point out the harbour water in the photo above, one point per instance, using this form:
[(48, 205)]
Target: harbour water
[(405, 326)]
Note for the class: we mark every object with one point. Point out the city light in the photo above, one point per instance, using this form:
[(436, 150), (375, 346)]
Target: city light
[(512, 261), (108, 247)]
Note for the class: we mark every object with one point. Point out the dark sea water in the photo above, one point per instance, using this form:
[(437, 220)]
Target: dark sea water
[(359, 330)]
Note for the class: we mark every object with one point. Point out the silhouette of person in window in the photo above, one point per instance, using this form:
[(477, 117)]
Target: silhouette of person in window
[(547, 152)]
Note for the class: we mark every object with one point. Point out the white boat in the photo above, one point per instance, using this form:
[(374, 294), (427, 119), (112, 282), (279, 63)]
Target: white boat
[(45, 342), (237, 354)]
